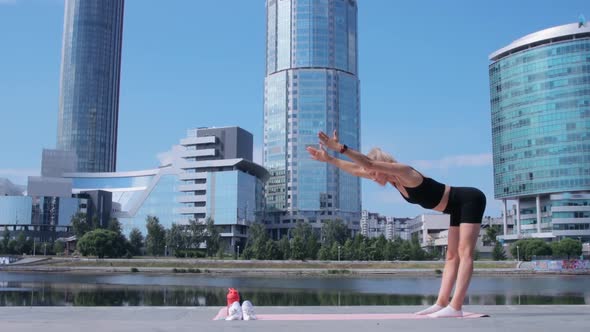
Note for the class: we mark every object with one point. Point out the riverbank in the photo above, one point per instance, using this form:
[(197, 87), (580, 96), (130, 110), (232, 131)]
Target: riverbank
[(267, 268), (141, 319)]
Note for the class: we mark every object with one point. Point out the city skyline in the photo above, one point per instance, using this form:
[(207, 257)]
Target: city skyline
[(154, 80)]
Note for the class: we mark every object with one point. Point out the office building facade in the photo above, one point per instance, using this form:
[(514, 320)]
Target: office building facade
[(219, 181), (540, 110), (311, 84), (89, 83)]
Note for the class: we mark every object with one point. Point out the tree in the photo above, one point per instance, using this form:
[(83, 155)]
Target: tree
[(498, 252), (176, 237), (213, 238), (416, 251), (5, 241), (527, 248), (305, 241), (271, 250), (95, 223), (347, 253), (489, 238), (405, 251), (334, 250), (285, 248), (136, 241), (297, 248), (567, 247), (58, 247), (22, 246), (115, 226), (380, 245), (312, 246), (334, 231), (102, 243), (361, 246), (156, 236), (256, 243), (195, 234), (80, 225), (324, 253)]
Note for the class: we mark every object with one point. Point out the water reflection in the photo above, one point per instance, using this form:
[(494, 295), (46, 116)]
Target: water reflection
[(17, 289)]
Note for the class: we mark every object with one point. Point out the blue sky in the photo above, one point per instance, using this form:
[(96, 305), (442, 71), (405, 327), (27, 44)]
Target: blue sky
[(423, 67)]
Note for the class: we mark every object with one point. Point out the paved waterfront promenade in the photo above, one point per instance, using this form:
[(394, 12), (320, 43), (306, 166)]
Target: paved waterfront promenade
[(142, 319)]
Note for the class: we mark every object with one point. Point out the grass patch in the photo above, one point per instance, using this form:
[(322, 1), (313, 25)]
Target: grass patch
[(188, 265), (177, 270)]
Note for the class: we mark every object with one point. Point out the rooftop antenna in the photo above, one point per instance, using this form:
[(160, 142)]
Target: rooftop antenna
[(581, 21)]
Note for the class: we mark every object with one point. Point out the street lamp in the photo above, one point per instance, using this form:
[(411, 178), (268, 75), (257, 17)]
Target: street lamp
[(339, 253), (238, 252), (517, 254), (165, 250)]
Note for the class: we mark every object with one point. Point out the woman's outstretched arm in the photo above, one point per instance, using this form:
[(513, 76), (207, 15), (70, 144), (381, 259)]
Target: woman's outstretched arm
[(347, 166), (362, 160)]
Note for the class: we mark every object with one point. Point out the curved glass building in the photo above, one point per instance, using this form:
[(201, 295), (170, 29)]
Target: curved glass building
[(311, 84), (540, 105), (89, 83)]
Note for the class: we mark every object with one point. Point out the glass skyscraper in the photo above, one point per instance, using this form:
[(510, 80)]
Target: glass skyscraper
[(89, 83), (311, 84), (540, 104)]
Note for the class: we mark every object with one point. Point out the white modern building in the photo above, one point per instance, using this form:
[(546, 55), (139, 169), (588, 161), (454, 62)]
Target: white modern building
[(374, 225), (219, 180)]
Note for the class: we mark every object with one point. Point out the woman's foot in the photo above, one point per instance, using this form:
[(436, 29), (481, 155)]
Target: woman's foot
[(447, 312), (432, 309)]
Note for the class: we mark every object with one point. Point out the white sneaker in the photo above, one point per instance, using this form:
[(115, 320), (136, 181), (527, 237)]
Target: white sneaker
[(447, 312), (248, 311), (234, 312), (432, 309)]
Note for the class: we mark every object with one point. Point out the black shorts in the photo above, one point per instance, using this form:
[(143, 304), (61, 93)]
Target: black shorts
[(466, 205)]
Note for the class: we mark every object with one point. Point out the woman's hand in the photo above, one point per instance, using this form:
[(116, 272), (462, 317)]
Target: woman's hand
[(332, 143), (319, 154)]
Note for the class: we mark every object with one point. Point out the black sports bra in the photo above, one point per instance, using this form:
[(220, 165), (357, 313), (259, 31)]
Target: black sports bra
[(427, 194)]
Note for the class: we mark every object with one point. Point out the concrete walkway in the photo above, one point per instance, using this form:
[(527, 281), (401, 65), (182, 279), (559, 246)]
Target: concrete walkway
[(142, 319)]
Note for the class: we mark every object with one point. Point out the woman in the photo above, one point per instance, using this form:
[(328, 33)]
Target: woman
[(465, 206)]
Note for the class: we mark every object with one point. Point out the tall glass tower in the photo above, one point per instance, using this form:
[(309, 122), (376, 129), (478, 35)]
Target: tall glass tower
[(540, 103), (311, 84), (89, 83)]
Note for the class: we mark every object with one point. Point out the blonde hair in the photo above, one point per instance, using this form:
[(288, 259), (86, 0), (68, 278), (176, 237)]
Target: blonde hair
[(379, 155)]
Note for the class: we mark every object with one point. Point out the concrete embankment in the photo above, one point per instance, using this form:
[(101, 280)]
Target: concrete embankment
[(278, 268), (142, 319)]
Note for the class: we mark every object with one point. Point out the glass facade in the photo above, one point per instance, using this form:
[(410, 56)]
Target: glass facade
[(135, 197), (15, 210), (540, 100), (540, 112), (311, 84), (230, 197), (55, 211), (89, 85), (160, 202)]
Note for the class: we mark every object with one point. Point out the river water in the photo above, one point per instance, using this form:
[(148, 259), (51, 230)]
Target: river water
[(136, 289)]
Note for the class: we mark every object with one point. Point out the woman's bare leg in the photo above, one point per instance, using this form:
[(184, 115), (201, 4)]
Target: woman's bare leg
[(449, 273), (467, 239), (468, 234)]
